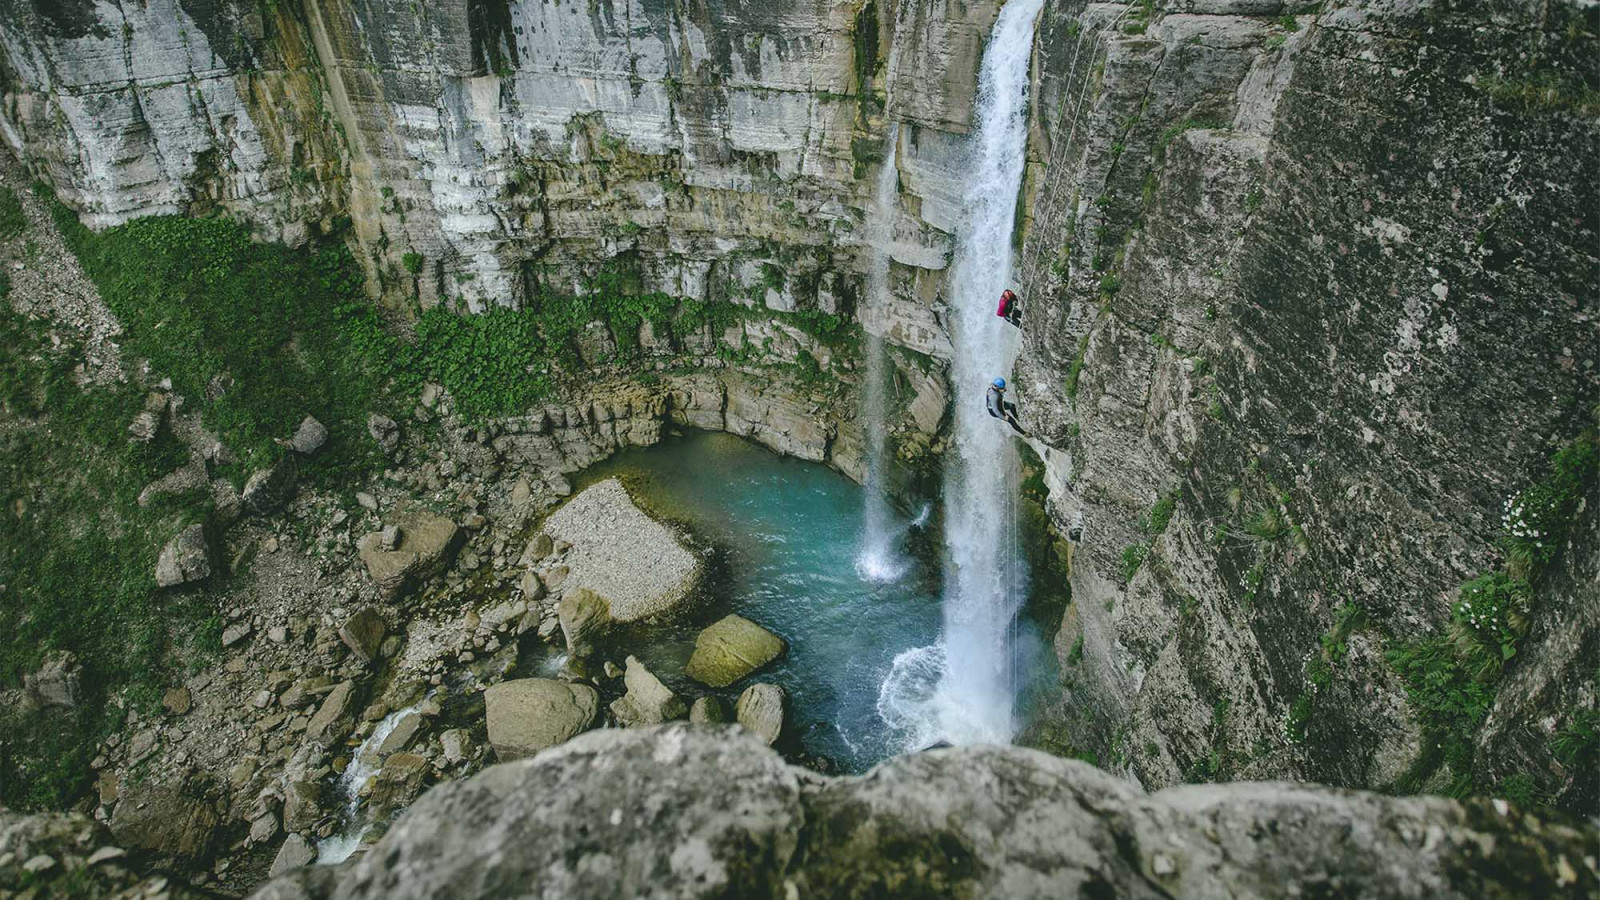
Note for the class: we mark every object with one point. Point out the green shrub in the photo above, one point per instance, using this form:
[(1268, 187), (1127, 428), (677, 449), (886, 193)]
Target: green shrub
[(413, 262), (1132, 558), (1075, 655), (1490, 617), (1451, 702), (1161, 513), (1537, 519), (1075, 371), (1319, 673), (12, 221), (1298, 719)]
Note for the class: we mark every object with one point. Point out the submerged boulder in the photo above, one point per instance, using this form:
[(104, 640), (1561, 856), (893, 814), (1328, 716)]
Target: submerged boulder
[(529, 714), (639, 565), (730, 649)]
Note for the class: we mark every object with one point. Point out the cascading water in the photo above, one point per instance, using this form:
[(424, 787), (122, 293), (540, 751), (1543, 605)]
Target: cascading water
[(962, 690), (879, 559), (364, 764)]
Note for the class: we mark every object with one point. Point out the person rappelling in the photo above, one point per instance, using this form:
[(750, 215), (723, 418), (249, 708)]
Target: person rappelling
[(1010, 308), (999, 408)]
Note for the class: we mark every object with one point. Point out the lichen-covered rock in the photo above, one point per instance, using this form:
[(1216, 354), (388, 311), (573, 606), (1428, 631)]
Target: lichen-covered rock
[(648, 701), (57, 682), (527, 715), (709, 710), (268, 489), (731, 648), (695, 812), (638, 565), (760, 711), (172, 819), (427, 544), (185, 559)]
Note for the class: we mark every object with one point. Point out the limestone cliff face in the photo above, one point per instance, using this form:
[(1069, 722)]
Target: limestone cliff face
[(516, 145), (1315, 292), (699, 811)]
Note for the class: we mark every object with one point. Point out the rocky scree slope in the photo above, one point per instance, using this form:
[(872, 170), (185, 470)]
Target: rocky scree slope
[(1310, 297), (686, 811)]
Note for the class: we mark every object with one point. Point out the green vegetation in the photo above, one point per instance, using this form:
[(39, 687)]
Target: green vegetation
[(1451, 680), (1132, 558), (12, 222), (1075, 370), (1161, 513), (1075, 655), (413, 262), (254, 335), (1543, 92), (79, 553)]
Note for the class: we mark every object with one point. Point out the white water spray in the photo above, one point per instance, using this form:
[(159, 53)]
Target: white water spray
[(879, 559), (963, 690), (364, 764)]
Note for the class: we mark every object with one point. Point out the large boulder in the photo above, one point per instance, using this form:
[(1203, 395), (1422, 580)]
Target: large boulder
[(425, 546), (272, 487), (530, 714), (385, 431), (309, 436), (638, 564), (185, 559), (694, 812), (584, 616), (730, 649), (648, 701), (295, 852), (363, 633), (171, 819), (760, 711), (335, 717), (57, 682)]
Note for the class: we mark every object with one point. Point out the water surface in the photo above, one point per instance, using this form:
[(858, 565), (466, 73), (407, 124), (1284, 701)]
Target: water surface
[(786, 534)]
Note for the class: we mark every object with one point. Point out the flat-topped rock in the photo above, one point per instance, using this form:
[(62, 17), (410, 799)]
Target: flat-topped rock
[(730, 649), (423, 546), (530, 714), (640, 566)]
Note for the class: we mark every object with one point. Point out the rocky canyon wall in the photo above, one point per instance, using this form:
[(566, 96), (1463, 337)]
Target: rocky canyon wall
[(1308, 289), (1311, 297)]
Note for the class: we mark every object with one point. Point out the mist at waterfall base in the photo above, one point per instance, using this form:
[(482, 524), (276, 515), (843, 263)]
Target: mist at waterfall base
[(964, 687)]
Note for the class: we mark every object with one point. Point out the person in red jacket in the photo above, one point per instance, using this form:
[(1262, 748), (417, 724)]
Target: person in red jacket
[(1010, 309)]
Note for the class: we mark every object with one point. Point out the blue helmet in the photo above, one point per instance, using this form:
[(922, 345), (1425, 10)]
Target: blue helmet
[(1000, 383)]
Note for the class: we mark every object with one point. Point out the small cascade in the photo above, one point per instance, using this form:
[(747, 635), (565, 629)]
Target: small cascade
[(337, 848), (879, 559)]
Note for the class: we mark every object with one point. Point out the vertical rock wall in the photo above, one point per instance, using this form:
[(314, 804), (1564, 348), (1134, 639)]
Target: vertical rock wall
[(1311, 295)]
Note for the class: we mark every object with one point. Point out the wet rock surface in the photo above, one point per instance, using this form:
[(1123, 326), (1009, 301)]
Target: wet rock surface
[(731, 819), (731, 648)]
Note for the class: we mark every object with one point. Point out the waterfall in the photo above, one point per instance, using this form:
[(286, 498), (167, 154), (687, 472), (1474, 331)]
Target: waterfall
[(879, 559), (963, 690), (364, 764)]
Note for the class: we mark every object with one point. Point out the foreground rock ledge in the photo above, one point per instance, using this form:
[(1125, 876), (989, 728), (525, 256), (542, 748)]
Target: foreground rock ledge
[(693, 811)]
